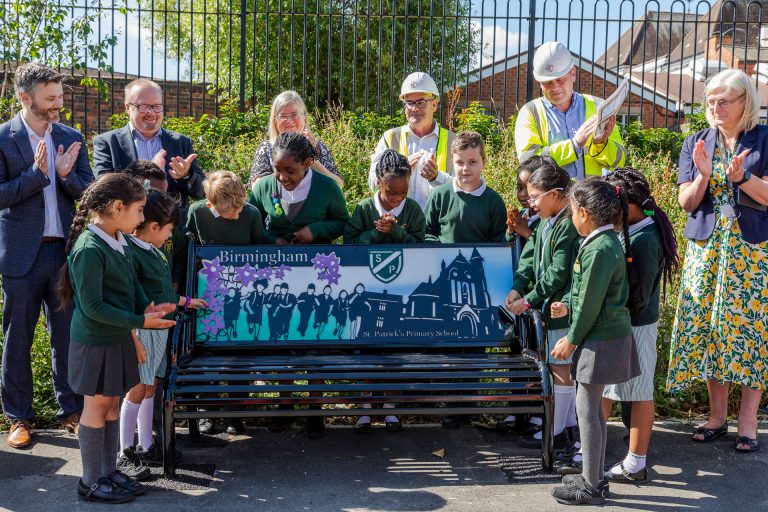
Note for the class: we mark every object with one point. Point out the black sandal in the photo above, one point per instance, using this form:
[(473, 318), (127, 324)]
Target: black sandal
[(710, 434), (744, 440)]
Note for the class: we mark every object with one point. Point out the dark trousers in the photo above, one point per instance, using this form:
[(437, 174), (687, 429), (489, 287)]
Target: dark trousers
[(22, 299)]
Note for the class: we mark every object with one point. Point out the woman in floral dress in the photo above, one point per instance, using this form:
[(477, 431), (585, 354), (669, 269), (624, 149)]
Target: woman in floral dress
[(720, 332)]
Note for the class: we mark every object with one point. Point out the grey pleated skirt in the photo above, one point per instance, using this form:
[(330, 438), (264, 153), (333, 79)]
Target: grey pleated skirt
[(96, 370), (606, 361)]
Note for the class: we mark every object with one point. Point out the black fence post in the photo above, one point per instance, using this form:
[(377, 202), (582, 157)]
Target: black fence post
[(531, 46), (243, 35)]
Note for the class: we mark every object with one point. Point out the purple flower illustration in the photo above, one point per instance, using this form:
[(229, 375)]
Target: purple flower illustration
[(212, 269), (281, 270), (209, 295), (246, 274), (216, 304), (264, 273), (213, 324), (327, 266)]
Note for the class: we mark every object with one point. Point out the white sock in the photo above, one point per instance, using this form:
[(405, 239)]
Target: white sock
[(509, 419), (577, 456), (362, 420), (128, 413), (145, 423), (535, 420), (563, 399), (571, 420), (633, 462), (391, 419)]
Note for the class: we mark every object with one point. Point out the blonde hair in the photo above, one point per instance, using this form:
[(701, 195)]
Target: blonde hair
[(224, 190), (135, 85), (281, 101), (737, 81)]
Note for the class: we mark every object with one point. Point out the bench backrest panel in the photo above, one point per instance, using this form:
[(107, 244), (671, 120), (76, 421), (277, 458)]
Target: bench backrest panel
[(351, 296)]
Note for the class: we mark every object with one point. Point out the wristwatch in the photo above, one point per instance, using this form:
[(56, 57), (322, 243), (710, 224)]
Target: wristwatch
[(744, 179)]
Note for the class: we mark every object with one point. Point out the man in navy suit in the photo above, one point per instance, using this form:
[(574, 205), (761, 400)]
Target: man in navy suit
[(43, 170), (143, 138)]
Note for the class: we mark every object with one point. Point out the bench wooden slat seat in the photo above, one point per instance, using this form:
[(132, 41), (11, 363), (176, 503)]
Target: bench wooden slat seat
[(420, 327)]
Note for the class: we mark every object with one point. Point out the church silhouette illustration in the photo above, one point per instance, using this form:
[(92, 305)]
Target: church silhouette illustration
[(455, 304)]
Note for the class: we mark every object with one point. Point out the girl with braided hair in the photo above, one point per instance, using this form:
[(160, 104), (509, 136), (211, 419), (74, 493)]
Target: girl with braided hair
[(298, 205), (390, 216), (600, 334), (109, 302), (654, 258)]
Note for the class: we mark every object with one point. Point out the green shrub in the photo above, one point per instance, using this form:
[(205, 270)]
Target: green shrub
[(229, 141)]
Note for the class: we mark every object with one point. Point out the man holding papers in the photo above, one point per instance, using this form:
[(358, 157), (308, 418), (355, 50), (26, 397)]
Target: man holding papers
[(563, 124)]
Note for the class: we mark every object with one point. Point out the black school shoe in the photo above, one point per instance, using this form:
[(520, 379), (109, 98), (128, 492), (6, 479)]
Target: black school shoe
[(235, 426), (603, 487), (625, 476), (560, 442), (125, 482), (104, 491), (576, 491), (131, 465)]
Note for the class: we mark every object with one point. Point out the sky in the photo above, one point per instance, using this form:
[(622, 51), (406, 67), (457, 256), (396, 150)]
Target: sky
[(590, 31)]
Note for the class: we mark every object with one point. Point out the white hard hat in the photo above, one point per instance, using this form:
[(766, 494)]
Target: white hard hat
[(418, 82), (551, 61)]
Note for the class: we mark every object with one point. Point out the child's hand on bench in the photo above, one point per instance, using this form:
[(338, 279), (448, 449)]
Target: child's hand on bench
[(187, 302), (559, 310)]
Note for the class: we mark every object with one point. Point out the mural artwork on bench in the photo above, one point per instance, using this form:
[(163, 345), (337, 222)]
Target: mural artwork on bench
[(348, 294)]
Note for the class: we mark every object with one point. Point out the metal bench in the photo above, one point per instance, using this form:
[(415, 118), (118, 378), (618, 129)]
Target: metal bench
[(420, 326)]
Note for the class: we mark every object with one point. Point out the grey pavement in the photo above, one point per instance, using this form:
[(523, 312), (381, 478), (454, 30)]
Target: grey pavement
[(479, 471)]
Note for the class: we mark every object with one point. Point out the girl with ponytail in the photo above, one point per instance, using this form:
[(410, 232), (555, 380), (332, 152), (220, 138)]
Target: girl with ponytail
[(651, 239), (600, 333), (109, 301)]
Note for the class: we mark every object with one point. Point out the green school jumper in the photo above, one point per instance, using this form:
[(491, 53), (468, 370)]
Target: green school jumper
[(211, 230), (599, 291), (324, 210), (409, 229), (154, 274), (456, 217), (648, 258), (109, 300), (545, 277)]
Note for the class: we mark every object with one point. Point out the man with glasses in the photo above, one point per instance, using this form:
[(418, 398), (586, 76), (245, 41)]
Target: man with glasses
[(561, 123), (423, 141), (143, 138)]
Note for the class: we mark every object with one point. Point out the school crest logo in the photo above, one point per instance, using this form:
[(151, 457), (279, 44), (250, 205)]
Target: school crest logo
[(385, 265)]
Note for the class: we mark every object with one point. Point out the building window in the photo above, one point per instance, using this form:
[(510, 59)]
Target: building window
[(625, 119)]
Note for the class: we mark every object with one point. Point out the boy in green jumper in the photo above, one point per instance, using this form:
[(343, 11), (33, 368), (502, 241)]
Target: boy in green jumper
[(390, 216), (298, 205), (223, 217), (466, 210)]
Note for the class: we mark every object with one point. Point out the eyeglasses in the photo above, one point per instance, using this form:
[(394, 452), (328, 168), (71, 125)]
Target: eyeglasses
[(723, 103), (534, 199), (146, 109), (289, 117), (416, 104)]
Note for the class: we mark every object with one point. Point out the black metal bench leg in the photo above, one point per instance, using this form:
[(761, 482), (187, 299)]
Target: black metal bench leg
[(194, 428), (169, 441), (546, 434)]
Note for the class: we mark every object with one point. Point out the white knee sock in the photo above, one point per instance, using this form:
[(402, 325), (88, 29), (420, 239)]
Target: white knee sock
[(128, 413), (633, 462), (563, 399), (570, 420), (145, 423)]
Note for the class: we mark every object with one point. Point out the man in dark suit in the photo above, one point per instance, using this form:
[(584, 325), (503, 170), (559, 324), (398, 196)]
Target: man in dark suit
[(43, 170), (143, 138)]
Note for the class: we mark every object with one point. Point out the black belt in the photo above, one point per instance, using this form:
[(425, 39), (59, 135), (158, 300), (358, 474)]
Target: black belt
[(53, 239)]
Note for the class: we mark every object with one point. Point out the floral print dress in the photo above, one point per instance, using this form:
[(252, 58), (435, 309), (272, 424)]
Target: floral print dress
[(720, 329)]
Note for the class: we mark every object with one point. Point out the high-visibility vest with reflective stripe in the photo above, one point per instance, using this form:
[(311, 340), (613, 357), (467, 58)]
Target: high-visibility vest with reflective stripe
[(398, 138), (532, 138)]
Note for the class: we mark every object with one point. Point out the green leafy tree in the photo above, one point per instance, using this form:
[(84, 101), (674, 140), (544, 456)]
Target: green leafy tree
[(342, 52), (57, 33)]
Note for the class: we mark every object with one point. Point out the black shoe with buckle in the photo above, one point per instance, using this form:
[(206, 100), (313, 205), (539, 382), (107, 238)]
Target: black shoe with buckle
[(625, 476), (576, 491), (603, 487), (130, 464), (122, 480), (104, 491)]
